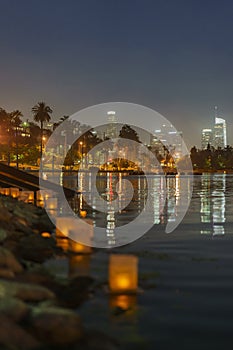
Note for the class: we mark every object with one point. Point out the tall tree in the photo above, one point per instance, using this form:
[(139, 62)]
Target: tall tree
[(16, 121), (41, 113)]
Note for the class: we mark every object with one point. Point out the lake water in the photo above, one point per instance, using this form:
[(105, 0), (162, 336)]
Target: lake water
[(185, 276)]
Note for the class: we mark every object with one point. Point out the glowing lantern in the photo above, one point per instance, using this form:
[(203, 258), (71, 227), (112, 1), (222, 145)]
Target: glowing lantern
[(63, 225), (79, 265), (14, 192), (43, 195), (27, 196), (6, 191), (51, 203), (83, 233), (46, 234), (123, 274), (63, 243), (79, 248), (83, 213)]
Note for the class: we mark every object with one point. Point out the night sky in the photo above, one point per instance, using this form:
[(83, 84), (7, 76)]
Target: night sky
[(171, 55)]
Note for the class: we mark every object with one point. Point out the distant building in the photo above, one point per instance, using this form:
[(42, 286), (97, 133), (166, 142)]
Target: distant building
[(220, 133), (206, 138), (167, 135), (111, 131), (216, 137)]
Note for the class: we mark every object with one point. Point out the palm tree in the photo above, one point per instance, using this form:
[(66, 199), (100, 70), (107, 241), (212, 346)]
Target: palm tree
[(15, 121), (41, 113)]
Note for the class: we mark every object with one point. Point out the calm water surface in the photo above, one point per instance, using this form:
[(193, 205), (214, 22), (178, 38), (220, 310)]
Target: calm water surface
[(186, 276)]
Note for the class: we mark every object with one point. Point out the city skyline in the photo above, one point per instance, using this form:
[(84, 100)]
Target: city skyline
[(178, 63)]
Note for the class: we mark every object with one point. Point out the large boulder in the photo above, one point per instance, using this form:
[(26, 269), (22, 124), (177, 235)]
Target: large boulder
[(24, 291), (56, 326), (12, 336), (8, 260), (36, 248), (13, 308)]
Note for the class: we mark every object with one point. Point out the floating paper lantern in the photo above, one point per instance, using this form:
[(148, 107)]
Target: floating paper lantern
[(14, 192), (79, 265), (63, 243), (123, 274), (81, 235), (44, 195), (51, 203), (5, 191), (46, 234), (63, 225), (27, 196)]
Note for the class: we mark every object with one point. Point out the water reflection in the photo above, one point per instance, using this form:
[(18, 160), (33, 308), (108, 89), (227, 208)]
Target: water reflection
[(208, 204), (79, 265), (213, 203), (123, 303)]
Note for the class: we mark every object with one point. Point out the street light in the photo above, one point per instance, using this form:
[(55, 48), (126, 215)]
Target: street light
[(81, 144)]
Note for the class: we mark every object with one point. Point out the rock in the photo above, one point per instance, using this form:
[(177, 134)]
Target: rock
[(23, 291), (35, 276), (7, 259), (36, 248), (45, 224), (95, 340), (5, 215), (3, 234), (6, 273), (56, 326), (13, 308), (12, 336)]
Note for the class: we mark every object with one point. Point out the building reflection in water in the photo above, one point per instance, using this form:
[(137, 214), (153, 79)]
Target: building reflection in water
[(219, 204), (111, 221), (213, 203)]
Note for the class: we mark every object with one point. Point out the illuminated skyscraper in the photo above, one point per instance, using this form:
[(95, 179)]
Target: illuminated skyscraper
[(167, 135), (207, 138), (220, 131), (111, 131)]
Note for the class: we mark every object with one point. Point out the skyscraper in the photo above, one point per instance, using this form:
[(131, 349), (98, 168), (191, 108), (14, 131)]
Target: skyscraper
[(220, 131), (111, 131), (206, 138)]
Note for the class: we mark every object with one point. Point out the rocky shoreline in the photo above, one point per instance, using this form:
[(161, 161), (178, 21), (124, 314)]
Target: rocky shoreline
[(38, 311)]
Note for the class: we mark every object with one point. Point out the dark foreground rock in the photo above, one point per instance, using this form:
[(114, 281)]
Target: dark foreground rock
[(13, 308), (56, 326), (35, 306), (26, 292), (12, 336), (43, 248)]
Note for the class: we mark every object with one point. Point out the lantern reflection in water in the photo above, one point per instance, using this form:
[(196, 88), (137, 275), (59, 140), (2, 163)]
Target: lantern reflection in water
[(79, 265), (124, 302), (123, 274)]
